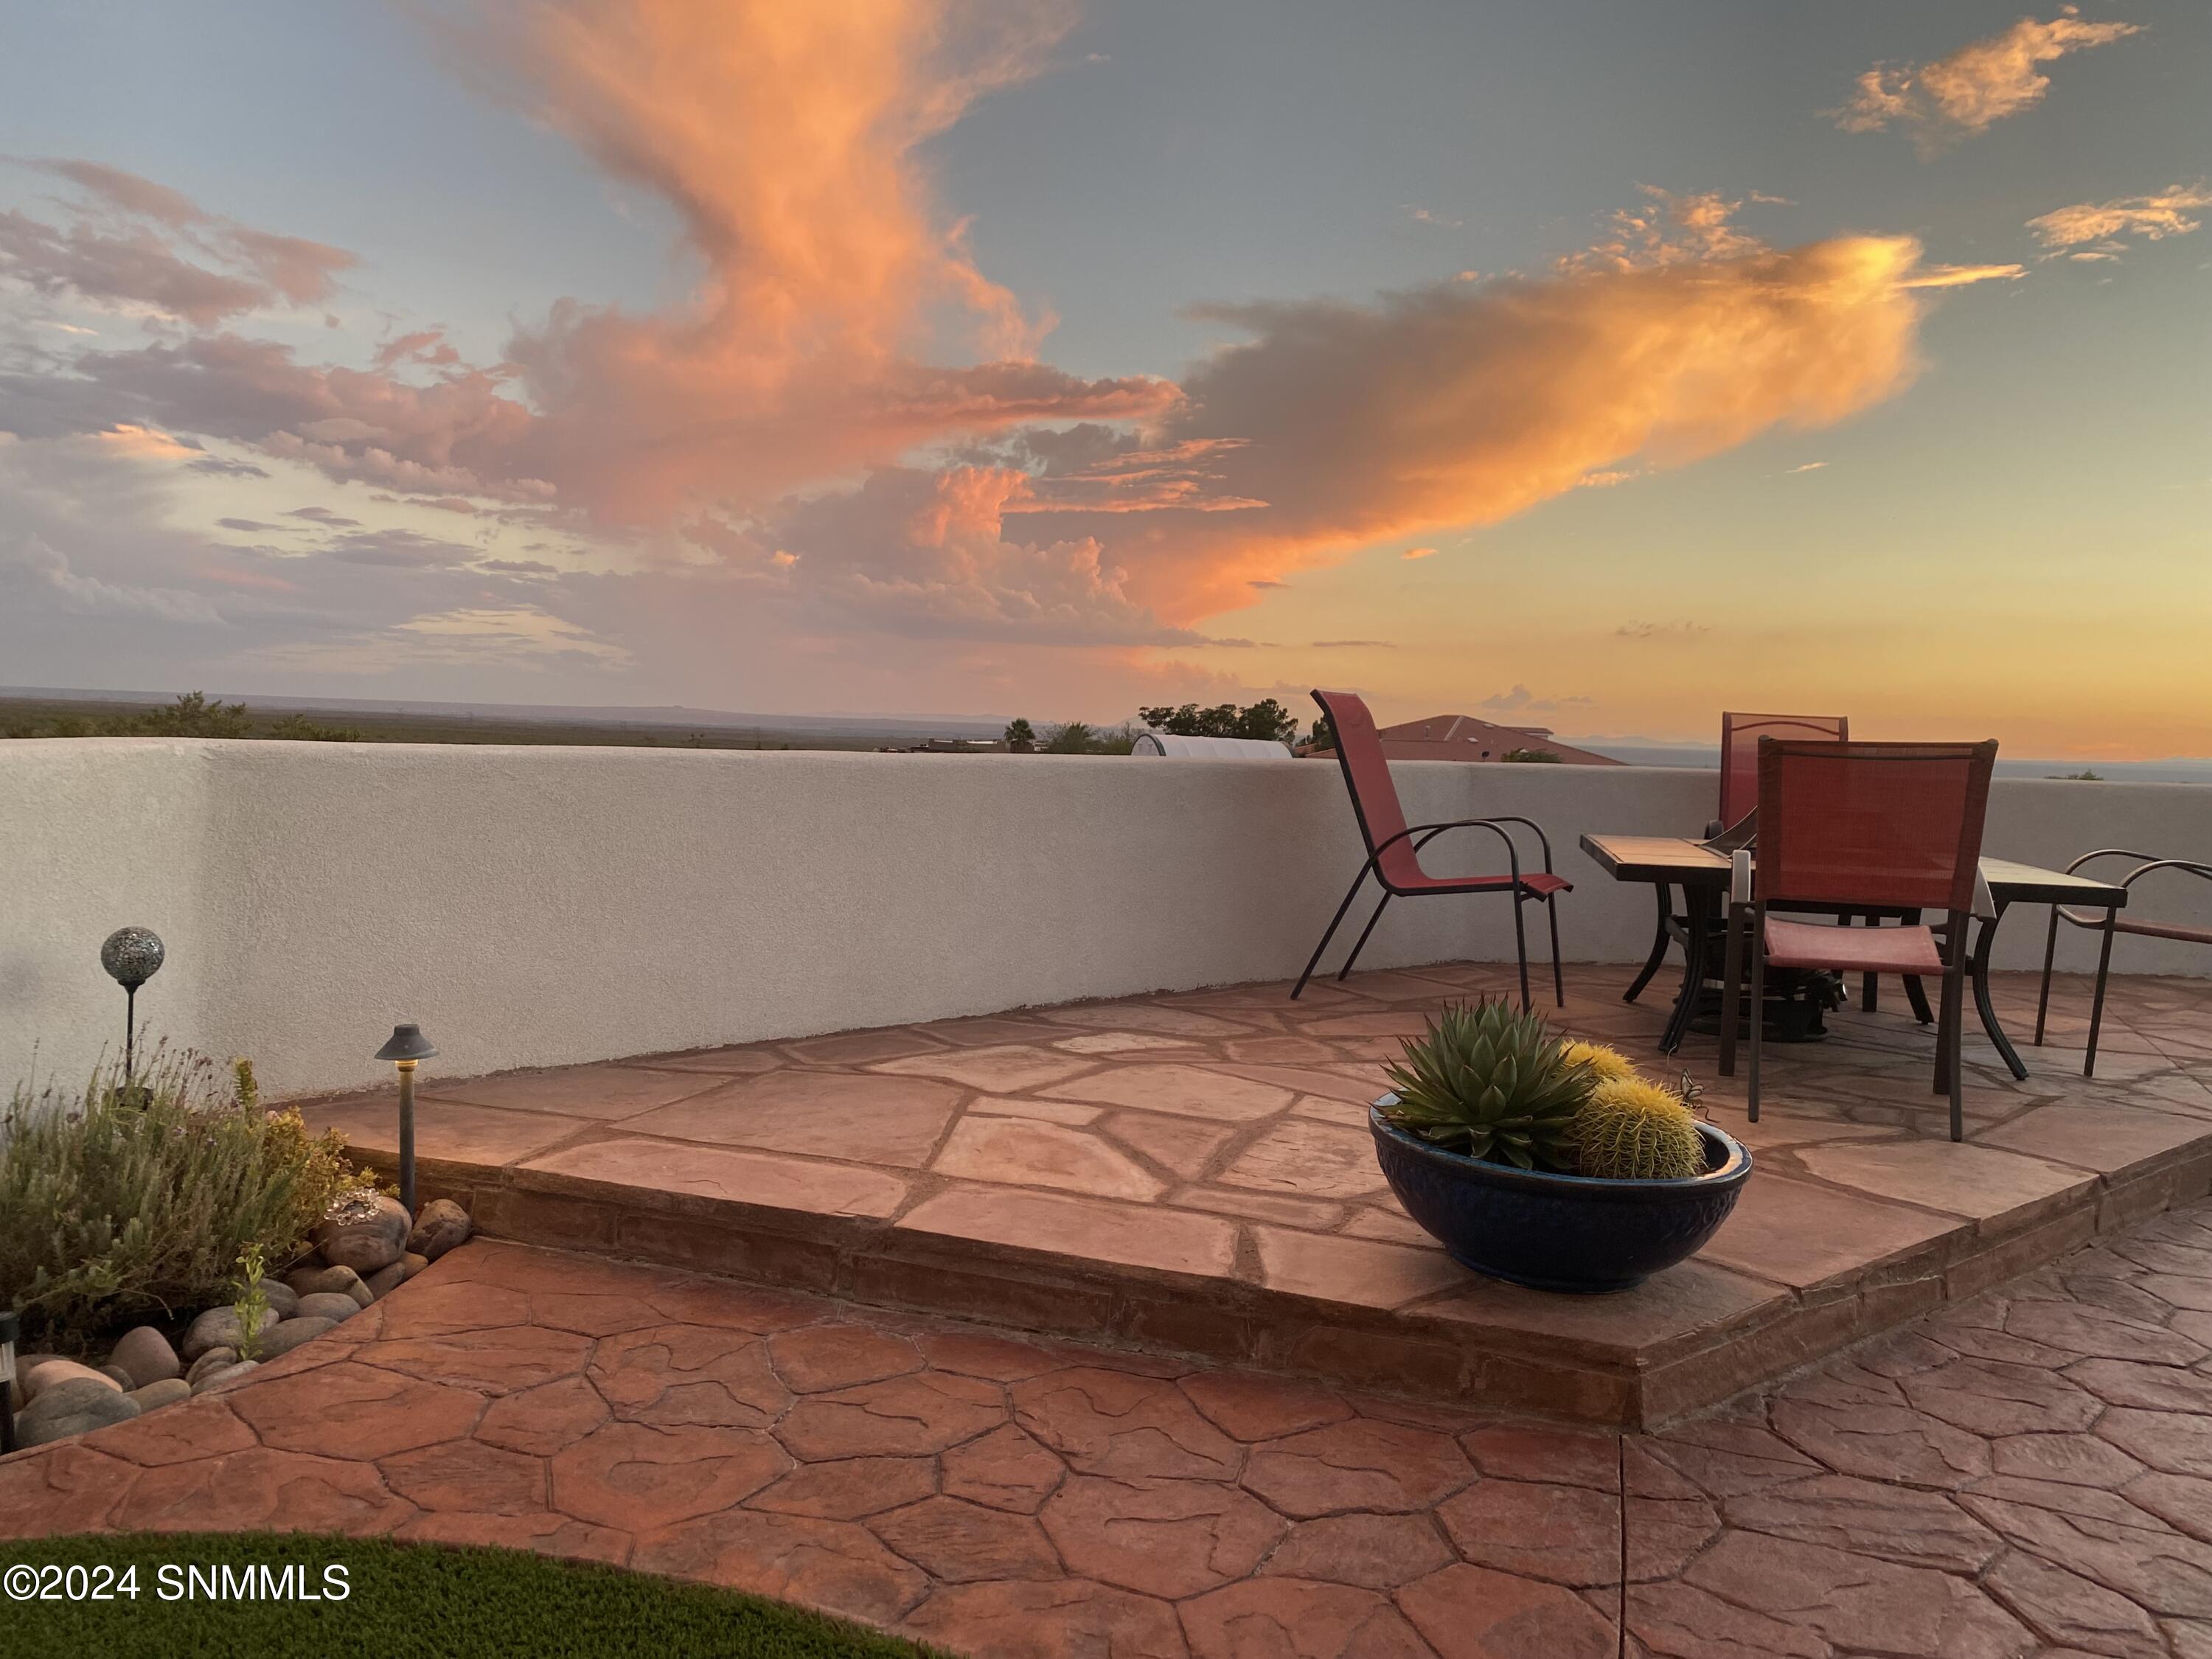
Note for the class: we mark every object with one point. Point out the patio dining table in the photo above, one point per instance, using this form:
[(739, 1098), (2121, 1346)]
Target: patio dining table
[(1702, 873)]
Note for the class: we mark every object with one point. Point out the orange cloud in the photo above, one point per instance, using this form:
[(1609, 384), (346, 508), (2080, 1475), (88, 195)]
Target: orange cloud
[(1452, 406), (2153, 217), (786, 138), (1977, 86)]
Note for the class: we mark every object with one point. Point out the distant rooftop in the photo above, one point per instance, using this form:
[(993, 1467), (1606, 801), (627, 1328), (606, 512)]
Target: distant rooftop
[(1464, 738)]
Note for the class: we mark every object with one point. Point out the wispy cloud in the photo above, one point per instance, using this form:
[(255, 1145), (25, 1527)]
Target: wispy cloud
[(1964, 276), (1354, 644), (2097, 229), (132, 243), (1522, 701), (1418, 553), (1807, 466), (1977, 86), (1660, 630)]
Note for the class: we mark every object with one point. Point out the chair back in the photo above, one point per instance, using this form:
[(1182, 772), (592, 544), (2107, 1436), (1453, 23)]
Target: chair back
[(1367, 777), (1896, 825), (1740, 736)]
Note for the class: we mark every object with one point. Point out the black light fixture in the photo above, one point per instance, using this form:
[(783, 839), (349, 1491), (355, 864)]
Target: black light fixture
[(406, 1046), (9, 1331), (132, 956)]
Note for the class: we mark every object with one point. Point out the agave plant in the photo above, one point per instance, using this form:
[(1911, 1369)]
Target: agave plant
[(1491, 1081)]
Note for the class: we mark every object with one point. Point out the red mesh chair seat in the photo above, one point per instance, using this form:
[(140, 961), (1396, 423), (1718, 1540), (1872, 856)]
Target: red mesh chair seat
[(1540, 884), (1911, 950)]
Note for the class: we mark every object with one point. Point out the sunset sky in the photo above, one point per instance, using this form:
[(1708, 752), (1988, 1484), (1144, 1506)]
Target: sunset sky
[(1579, 364)]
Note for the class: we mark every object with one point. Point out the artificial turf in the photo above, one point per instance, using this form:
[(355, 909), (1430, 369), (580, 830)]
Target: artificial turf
[(404, 1599)]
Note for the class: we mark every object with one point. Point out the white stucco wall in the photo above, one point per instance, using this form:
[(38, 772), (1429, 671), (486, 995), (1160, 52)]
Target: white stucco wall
[(542, 906)]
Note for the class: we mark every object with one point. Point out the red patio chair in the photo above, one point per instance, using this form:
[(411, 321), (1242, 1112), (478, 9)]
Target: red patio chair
[(2109, 922), (1740, 735), (1884, 827), (1393, 854)]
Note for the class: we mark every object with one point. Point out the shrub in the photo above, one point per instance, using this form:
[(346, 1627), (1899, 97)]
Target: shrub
[(128, 1200)]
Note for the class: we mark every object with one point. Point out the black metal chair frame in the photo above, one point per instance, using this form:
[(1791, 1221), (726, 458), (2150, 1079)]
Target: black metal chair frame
[(2108, 925), (1429, 832)]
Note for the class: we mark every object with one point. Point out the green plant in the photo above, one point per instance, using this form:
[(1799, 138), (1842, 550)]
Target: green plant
[(1265, 719), (460, 1602), (1604, 1063), (251, 1306), (1531, 757), (1632, 1129), (116, 1208), (1491, 1081)]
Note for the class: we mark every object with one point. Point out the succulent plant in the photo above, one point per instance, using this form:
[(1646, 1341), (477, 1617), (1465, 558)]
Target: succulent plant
[(1491, 1081), (1633, 1130)]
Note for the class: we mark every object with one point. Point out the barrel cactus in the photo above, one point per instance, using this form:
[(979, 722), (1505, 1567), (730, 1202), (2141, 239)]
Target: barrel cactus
[(1606, 1065), (1632, 1129), (1491, 1081)]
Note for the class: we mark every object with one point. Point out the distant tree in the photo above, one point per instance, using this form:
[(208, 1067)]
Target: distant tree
[(191, 717), (1021, 737), (1265, 719), (2078, 777), (1078, 738), (298, 729), (1324, 734), (1531, 757)]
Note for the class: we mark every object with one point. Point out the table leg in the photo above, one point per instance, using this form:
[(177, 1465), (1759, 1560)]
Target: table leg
[(2103, 968), (1698, 904), (1658, 945), (1978, 969)]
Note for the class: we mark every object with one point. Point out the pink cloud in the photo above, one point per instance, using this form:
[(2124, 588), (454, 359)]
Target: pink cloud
[(1977, 86)]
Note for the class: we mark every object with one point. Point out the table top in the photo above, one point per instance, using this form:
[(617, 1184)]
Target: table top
[(1688, 863)]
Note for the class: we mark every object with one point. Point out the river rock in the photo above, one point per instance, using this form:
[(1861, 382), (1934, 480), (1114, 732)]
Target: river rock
[(364, 1233), (289, 1333), (219, 1327), (327, 1305), (317, 1281), (51, 1371), (146, 1355), (213, 1360), (221, 1374), (442, 1224), (284, 1300), (385, 1280), (71, 1407), (167, 1392), (122, 1379)]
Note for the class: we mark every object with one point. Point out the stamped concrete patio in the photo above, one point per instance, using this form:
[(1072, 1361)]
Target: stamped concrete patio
[(2025, 1473), (1190, 1174)]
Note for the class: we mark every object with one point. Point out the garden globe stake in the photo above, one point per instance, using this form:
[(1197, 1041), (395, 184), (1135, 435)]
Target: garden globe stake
[(132, 956), (407, 1046)]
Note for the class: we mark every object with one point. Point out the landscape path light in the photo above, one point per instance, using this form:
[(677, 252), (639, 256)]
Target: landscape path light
[(132, 956), (407, 1046), (8, 1334)]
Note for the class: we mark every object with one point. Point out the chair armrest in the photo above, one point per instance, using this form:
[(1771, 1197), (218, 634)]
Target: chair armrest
[(1429, 832), (1508, 818), (2107, 852)]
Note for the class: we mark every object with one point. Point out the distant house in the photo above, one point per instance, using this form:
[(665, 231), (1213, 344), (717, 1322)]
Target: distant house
[(1463, 738)]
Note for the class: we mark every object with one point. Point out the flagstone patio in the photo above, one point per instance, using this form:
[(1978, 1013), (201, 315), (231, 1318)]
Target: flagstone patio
[(2025, 1473), (1190, 1174)]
